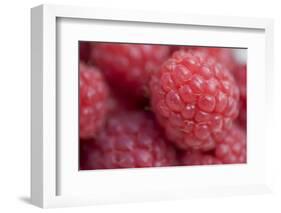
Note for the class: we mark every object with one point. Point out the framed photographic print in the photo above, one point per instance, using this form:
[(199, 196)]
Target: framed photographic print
[(130, 106)]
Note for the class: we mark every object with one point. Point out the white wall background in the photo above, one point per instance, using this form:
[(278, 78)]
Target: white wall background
[(15, 98)]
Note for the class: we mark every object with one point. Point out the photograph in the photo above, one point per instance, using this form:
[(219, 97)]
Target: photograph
[(153, 106), (156, 105)]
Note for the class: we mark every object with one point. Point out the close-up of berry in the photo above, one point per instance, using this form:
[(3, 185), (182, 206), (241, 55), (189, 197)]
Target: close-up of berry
[(129, 140), (225, 56), (231, 147), (194, 98), (240, 74), (94, 96), (192, 158), (128, 67)]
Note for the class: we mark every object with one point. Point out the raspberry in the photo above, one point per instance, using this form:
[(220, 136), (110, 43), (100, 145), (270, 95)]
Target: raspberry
[(192, 157), (93, 101), (231, 148), (128, 66), (240, 74), (194, 98), (129, 140), (84, 51), (224, 56)]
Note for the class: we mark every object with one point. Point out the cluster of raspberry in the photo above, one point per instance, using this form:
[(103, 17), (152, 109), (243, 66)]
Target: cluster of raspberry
[(160, 105)]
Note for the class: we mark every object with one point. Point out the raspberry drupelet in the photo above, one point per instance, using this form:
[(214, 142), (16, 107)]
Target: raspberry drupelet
[(94, 95), (128, 67), (194, 98), (129, 140)]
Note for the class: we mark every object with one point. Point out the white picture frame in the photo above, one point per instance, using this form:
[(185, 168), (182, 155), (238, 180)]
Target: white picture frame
[(55, 180)]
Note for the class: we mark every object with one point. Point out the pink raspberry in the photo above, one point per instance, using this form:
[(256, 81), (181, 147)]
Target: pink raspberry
[(129, 140), (231, 148), (224, 56), (194, 98), (94, 96), (128, 66)]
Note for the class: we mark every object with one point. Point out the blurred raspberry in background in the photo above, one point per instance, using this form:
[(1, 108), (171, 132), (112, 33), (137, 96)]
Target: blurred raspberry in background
[(128, 67)]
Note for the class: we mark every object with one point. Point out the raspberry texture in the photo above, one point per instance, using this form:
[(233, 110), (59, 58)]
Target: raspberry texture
[(128, 66), (240, 74), (230, 149), (130, 140), (94, 96), (194, 98), (224, 56)]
